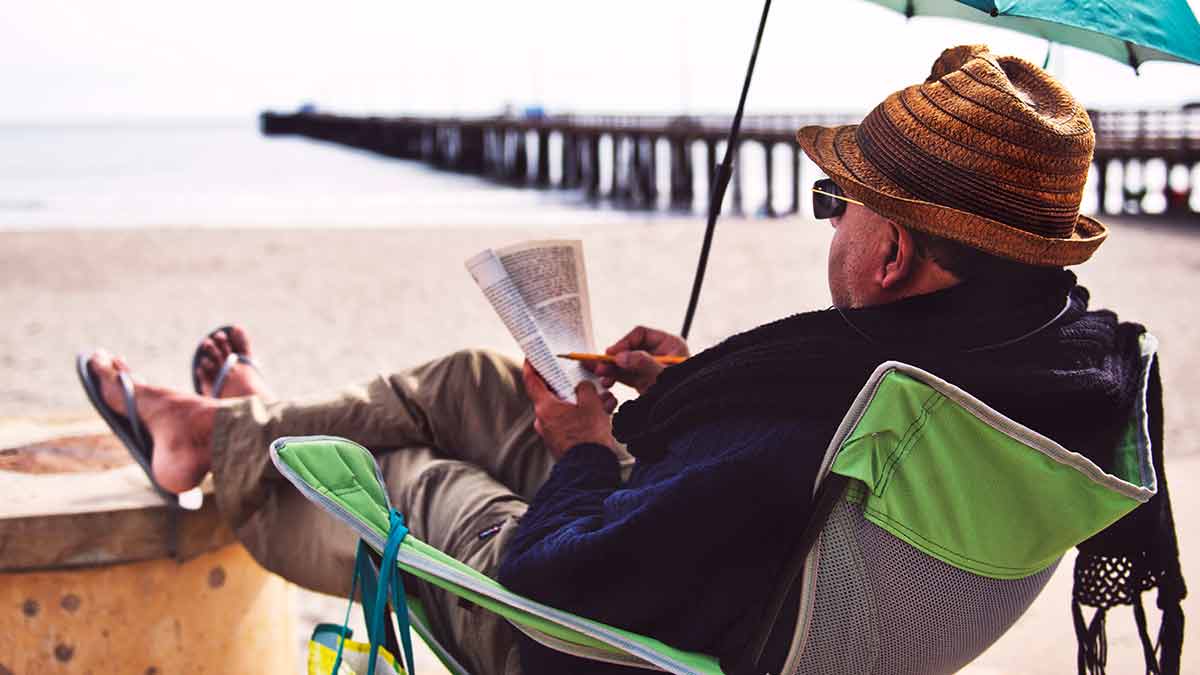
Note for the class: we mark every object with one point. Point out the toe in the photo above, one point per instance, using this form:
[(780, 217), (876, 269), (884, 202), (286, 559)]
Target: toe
[(208, 364), (208, 367), (104, 368), (239, 340), (222, 342), (100, 359), (211, 352)]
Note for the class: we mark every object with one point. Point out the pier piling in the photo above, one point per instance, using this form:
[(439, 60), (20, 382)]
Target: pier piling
[(543, 158), (768, 208), (593, 155), (681, 191)]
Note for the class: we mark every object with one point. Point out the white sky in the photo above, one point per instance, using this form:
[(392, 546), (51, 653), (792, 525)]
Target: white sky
[(129, 59)]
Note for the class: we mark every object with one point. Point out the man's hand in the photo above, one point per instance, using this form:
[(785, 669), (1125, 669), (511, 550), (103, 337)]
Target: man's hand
[(563, 425), (634, 363)]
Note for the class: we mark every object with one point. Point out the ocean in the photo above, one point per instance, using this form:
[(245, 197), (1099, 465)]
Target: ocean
[(226, 174)]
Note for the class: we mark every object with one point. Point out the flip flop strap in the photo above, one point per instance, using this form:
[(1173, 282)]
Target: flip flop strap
[(131, 412), (230, 362), (250, 362)]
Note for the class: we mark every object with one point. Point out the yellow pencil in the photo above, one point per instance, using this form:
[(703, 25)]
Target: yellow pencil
[(577, 356)]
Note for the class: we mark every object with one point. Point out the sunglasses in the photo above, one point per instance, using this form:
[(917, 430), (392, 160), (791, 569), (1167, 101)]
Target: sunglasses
[(828, 199)]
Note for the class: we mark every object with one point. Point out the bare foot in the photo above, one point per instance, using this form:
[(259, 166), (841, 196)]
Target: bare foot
[(243, 379), (179, 424)]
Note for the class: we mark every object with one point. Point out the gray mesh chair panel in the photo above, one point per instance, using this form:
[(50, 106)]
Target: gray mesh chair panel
[(882, 606), (842, 635)]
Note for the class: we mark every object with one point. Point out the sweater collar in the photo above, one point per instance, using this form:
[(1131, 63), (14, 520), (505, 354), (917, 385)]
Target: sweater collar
[(971, 315)]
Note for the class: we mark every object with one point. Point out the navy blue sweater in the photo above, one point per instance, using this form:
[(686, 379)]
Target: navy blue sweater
[(700, 534), (688, 549)]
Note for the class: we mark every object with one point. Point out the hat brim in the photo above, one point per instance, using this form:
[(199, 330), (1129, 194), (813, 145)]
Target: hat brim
[(835, 150)]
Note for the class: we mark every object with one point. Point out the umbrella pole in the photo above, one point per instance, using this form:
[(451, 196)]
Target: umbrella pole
[(721, 178)]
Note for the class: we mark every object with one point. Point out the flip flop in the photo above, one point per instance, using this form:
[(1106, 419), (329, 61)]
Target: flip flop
[(230, 362), (130, 429)]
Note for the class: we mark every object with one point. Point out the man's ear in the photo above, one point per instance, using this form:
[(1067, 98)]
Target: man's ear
[(901, 260)]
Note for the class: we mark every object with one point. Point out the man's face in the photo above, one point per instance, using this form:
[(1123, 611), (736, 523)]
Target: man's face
[(860, 246)]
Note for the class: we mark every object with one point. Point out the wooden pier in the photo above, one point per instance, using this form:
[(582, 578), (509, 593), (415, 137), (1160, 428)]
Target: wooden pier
[(649, 162)]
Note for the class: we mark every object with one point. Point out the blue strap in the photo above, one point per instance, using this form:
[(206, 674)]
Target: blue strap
[(399, 597), (370, 586), (375, 590), (390, 581), (359, 557)]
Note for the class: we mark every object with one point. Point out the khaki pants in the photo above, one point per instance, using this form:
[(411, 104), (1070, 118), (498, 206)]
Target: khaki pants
[(460, 458)]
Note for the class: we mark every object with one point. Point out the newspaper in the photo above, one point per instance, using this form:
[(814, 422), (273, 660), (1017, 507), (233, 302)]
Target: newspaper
[(539, 289)]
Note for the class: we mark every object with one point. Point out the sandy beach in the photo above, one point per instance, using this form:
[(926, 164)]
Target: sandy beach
[(327, 307)]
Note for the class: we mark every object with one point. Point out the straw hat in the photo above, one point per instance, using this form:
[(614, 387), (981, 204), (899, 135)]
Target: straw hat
[(988, 151)]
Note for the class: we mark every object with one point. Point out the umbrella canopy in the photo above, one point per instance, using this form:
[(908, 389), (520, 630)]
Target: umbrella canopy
[(1129, 31)]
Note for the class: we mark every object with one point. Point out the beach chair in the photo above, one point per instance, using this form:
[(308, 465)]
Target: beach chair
[(937, 522)]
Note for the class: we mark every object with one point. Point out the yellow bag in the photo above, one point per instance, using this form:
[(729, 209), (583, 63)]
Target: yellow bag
[(322, 652)]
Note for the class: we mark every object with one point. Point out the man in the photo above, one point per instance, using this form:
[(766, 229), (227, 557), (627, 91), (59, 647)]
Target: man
[(954, 204)]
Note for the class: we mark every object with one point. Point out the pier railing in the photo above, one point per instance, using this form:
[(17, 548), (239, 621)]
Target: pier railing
[(617, 157)]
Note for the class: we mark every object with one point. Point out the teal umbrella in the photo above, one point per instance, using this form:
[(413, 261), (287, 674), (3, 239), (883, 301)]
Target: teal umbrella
[(1129, 31)]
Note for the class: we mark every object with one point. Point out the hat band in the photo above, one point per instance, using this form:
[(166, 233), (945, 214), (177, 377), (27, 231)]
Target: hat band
[(938, 181)]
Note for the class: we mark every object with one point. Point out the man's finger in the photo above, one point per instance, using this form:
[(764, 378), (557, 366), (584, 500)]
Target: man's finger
[(587, 396), (632, 339), (602, 368), (535, 386), (635, 361), (609, 401), (599, 368)]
